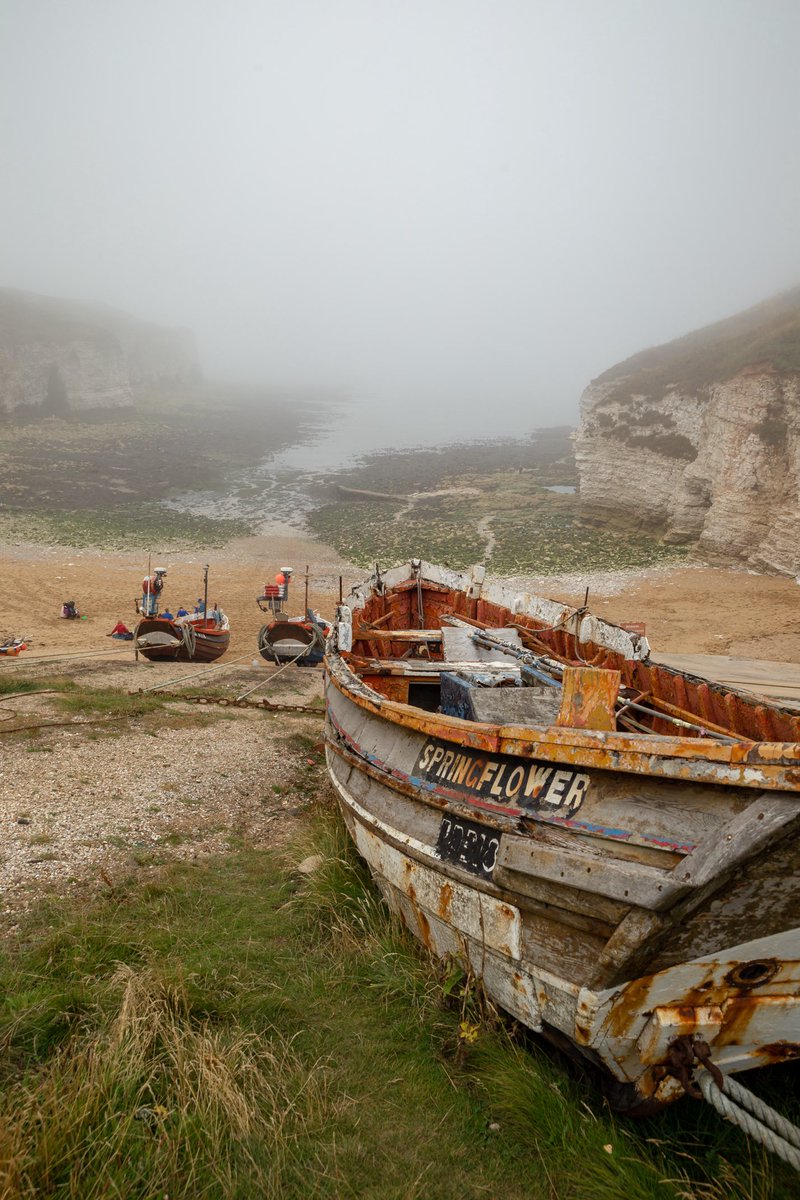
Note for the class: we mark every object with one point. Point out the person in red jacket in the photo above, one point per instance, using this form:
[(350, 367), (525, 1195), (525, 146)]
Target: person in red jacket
[(121, 631)]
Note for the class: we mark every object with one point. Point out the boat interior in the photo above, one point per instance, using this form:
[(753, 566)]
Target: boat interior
[(438, 649)]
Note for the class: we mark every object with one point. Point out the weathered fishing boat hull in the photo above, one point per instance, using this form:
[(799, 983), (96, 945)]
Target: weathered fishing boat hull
[(286, 641), (555, 936), (168, 641), (620, 892), (626, 1031)]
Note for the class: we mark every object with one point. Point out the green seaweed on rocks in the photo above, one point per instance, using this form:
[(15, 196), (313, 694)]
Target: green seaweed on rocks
[(122, 527), (505, 520)]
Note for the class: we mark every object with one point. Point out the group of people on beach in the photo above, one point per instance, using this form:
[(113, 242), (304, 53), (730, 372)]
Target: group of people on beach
[(152, 587)]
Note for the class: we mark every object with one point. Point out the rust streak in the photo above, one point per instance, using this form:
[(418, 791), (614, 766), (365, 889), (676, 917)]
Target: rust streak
[(779, 1051), (628, 1006)]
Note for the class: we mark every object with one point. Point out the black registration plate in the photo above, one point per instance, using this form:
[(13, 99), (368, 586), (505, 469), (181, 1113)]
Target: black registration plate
[(467, 845)]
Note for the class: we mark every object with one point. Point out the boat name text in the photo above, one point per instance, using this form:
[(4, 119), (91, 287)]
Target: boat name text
[(532, 785)]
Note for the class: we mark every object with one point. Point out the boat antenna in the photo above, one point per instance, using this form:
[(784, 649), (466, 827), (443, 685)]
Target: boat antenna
[(305, 606), (586, 597), (205, 591)]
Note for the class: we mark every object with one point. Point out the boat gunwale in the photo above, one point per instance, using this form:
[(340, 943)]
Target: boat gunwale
[(771, 765)]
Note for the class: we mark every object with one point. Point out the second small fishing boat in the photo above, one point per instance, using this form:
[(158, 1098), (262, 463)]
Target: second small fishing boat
[(286, 639)]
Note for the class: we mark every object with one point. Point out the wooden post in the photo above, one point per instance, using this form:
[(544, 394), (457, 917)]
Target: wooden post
[(589, 698)]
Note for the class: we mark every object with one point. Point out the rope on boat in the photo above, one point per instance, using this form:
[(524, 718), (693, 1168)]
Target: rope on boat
[(739, 1106), (189, 637)]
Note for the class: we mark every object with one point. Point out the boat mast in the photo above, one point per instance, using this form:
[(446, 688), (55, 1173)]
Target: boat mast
[(205, 592)]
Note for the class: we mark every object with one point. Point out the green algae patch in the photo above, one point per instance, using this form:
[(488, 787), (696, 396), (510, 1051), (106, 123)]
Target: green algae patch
[(125, 527), (494, 506)]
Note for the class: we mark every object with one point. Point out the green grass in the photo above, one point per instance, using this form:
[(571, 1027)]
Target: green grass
[(768, 333), (75, 699), (109, 702), (237, 1030), (108, 710), (14, 683)]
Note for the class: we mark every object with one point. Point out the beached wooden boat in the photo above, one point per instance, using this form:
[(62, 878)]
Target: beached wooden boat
[(611, 844), (286, 639), (191, 639), (160, 637)]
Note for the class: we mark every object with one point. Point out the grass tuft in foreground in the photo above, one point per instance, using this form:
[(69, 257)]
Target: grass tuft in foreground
[(156, 1101), (243, 1028)]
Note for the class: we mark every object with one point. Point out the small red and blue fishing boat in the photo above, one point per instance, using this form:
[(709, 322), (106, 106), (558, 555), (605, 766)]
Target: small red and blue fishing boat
[(201, 636)]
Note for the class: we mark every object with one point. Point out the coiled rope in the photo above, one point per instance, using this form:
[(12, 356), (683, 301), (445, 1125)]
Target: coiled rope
[(739, 1106), (189, 637)]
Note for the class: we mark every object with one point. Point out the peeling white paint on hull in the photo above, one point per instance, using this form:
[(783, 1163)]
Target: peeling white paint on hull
[(600, 882)]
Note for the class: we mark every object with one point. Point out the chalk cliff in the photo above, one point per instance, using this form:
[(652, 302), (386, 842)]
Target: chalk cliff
[(56, 355), (700, 439)]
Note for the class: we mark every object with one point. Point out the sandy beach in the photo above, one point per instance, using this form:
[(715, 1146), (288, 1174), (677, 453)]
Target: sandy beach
[(686, 609), (35, 581)]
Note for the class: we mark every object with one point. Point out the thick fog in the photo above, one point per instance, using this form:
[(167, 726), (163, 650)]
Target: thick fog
[(478, 204)]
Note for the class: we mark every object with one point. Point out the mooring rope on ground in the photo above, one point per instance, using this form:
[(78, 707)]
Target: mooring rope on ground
[(263, 705), (215, 667), (745, 1110), (12, 714), (264, 682), (19, 661), (68, 724), (315, 640)]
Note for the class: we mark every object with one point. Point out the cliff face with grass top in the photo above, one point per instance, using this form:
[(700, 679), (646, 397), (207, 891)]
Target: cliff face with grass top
[(56, 356), (700, 439)]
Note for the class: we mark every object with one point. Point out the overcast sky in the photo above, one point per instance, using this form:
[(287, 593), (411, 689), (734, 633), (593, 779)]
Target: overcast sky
[(481, 203)]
